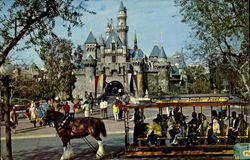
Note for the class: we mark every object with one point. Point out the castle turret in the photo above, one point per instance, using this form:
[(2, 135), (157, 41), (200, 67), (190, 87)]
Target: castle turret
[(101, 43), (122, 27), (109, 28), (91, 45)]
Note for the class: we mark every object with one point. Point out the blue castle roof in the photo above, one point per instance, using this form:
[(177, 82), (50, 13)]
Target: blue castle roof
[(90, 39), (155, 51), (113, 36)]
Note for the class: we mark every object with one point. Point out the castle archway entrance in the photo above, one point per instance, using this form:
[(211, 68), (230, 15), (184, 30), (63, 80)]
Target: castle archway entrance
[(114, 88)]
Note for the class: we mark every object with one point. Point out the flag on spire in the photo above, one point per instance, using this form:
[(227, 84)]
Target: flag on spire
[(135, 41)]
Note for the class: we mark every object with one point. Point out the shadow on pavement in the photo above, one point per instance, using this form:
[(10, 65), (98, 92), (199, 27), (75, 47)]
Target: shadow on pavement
[(113, 148), (24, 130)]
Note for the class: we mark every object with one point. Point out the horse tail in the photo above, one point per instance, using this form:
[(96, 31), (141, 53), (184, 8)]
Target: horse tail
[(103, 129)]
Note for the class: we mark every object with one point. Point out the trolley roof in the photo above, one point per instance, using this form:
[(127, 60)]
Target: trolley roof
[(189, 100)]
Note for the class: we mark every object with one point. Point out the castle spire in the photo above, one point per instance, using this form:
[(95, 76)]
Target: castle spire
[(135, 41), (122, 8)]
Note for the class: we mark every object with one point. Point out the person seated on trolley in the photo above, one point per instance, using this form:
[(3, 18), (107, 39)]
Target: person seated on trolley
[(157, 131), (214, 131), (233, 128), (242, 125), (178, 130), (214, 114), (193, 129), (164, 125), (176, 113), (203, 124)]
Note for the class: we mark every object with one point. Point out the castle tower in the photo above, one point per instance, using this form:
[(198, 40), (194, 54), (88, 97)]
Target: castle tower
[(91, 46), (109, 27), (101, 43), (122, 27)]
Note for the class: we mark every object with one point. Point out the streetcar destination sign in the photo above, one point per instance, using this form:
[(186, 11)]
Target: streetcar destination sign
[(193, 100)]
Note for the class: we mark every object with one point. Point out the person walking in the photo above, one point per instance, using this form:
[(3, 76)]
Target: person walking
[(27, 109), (45, 106), (120, 106), (33, 113), (104, 108), (71, 109), (13, 119), (86, 108), (55, 106), (40, 113), (86, 95), (101, 108), (77, 103), (66, 108), (91, 102), (115, 109)]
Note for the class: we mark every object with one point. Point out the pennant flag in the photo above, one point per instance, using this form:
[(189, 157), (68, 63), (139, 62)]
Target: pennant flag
[(96, 82), (101, 81), (135, 80), (139, 77), (129, 78)]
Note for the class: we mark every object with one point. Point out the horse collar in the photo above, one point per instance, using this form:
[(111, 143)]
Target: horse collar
[(63, 121)]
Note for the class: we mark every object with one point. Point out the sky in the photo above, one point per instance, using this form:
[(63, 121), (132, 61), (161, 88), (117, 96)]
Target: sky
[(149, 18)]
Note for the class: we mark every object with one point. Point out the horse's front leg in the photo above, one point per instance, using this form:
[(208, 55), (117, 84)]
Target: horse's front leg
[(68, 152), (65, 143)]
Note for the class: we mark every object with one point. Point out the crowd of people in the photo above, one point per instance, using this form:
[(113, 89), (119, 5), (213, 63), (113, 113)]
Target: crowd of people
[(35, 111), (175, 125)]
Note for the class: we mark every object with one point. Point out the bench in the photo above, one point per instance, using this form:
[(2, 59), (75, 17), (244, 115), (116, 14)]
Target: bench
[(202, 138), (224, 134), (142, 141), (246, 136), (182, 139)]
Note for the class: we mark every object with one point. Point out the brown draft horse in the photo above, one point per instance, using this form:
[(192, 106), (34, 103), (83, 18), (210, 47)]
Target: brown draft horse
[(68, 129)]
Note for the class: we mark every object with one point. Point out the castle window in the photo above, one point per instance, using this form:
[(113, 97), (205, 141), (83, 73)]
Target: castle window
[(113, 46), (114, 59)]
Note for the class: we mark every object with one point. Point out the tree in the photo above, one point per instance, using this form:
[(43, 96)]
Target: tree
[(221, 28), (57, 57), (77, 57), (33, 21), (197, 80)]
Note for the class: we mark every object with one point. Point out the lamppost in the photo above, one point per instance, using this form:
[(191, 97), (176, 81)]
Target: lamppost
[(5, 72)]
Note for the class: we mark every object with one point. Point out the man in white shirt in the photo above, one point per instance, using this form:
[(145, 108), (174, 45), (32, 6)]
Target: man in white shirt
[(71, 109), (104, 108)]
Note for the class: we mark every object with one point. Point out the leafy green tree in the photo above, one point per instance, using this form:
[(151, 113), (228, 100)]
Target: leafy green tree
[(59, 78), (221, 33), (33, 21), (197, 80)]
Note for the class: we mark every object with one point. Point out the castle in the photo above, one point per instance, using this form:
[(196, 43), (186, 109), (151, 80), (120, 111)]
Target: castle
[(108, 66)]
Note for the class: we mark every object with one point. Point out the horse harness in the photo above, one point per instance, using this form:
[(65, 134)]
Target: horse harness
[(63, 121)]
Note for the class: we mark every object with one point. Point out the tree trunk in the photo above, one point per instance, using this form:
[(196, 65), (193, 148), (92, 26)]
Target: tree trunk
[(6, 81)]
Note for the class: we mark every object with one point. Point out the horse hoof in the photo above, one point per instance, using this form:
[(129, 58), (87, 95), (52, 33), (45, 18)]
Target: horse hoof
[(99, 156)]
